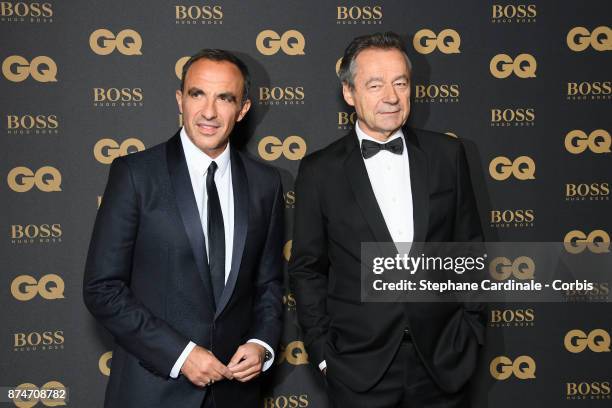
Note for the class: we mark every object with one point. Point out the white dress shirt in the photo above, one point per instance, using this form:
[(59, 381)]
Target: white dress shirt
[(197, 164), (389, 175)]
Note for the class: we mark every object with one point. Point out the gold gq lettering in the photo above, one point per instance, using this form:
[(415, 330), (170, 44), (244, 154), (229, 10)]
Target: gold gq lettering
[(502, 368), (16, 68), (522, 168), (600, 39), (292, 42), (447, 41), (598, 341), (597, 241), (47, 179), (271, 148), (598, 141), (523, 66), (107, 150), (501, 268), (55, 393), (104, 363), (26, 287), (127, 42)]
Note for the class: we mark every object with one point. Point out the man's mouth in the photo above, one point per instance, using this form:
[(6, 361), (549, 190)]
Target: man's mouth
[(207, 128)]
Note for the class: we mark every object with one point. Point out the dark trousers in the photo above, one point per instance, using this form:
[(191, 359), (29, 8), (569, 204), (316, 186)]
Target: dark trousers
[(405, 385), (209, 401)]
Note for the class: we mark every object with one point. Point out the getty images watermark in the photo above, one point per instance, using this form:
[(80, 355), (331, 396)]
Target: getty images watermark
[(483, 272)]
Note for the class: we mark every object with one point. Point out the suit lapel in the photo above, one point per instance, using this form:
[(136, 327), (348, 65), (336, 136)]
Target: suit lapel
[(358, 179), (188, 209), (241, 222), (419, 181)]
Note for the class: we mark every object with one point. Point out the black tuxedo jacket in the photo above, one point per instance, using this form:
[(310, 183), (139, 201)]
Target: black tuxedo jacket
[(147, 279), (336, 211)]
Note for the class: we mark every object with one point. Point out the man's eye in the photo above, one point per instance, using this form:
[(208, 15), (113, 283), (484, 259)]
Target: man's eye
[(375, 86)]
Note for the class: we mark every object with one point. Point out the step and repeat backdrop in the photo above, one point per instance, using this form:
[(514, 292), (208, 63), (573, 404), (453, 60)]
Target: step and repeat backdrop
[(526, 85)]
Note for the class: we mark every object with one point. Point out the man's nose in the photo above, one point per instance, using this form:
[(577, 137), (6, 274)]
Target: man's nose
[(390, 95), (209, 109)]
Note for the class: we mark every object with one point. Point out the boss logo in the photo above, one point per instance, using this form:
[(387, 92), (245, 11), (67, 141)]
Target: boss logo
[(271, 148), (515, 317), (46, 340), (127, 42), (598, 341), (107, 150), (199, 14), (118, 97), (436, 93), (523, 66), (522, 168), (513, 117), (291, 42), (591, 390), (594, 89), (21, 9), (502, 268), (523, 368), (288, 95), (25, 124), (516, 218), (507, 12), (286, 401), (46, 179), (357, 14), (447, 41), (598, 141), (600, 39), (597, 241), (592, 191), (17, 69), (26, 287)]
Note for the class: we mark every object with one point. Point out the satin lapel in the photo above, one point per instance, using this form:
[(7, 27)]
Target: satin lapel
[(358, 179), (419, 180), (186, 203), (240, 187)]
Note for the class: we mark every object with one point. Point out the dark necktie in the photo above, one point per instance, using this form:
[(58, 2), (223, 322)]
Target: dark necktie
[(216, 235), (370, 148)]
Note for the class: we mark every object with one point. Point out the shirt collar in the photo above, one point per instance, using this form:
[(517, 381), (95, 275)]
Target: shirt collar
[(199, 161), (361, 135)]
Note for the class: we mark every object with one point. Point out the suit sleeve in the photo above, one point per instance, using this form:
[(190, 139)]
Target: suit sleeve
[(267, 309), (308, 267), (468, 228), (106, 289)]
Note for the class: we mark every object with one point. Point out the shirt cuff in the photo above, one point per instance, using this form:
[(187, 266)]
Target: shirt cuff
[(322, 365), (268, 363), (176, 369)]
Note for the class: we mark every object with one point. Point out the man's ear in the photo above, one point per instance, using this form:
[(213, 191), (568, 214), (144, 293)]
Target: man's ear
[(179, 100), (243, 111), (347, 92)]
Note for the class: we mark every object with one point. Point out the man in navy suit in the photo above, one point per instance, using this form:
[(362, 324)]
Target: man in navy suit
[(185, 261)]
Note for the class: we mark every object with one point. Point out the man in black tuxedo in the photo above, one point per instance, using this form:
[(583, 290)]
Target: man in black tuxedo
[(185, 261), (383, 182)]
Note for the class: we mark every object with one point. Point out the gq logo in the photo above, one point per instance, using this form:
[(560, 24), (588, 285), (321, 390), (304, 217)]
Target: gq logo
[(54, 393), (25, 287), (501, 268), (600, 39), (292, 42), (523, 66), (107, 150), (502, 368), (47, 179), (597, 241), (447, 41), (104, 42), (598, 341), (294, 353), (522, 168), (271, 148), (17, 69), (598, 141), (104, 363), (178, 67)]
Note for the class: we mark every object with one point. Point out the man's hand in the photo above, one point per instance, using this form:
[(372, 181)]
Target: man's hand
[(202, 368), (247, 362)]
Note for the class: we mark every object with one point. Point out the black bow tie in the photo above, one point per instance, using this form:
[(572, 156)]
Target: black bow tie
[(370, 148)]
